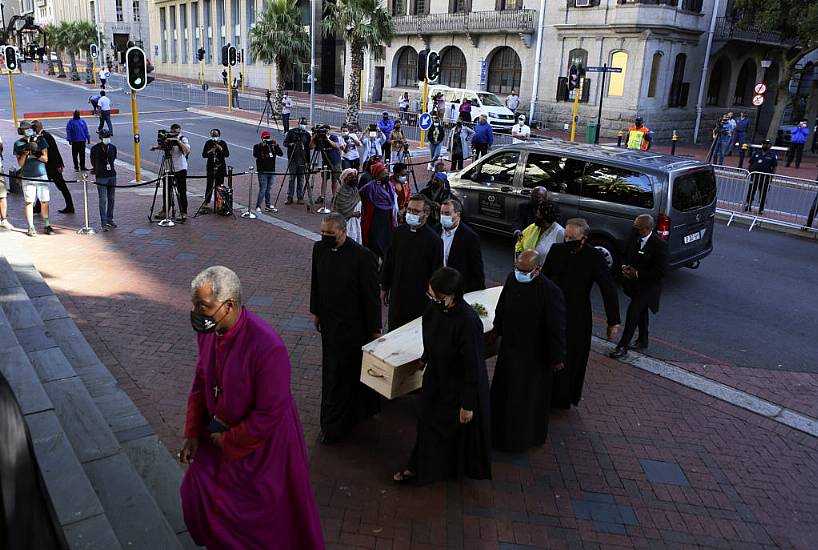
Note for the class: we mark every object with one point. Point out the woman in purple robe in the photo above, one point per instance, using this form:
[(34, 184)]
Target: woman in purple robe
[(248, 484), (380, 210)]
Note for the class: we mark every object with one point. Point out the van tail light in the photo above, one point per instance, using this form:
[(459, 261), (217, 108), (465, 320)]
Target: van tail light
[(663, 227)]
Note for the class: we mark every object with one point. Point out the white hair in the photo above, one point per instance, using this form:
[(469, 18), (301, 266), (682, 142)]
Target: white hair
[(224, 283)]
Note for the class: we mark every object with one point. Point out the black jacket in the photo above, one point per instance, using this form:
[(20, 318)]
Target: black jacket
[(466, 256), (54, 158), (215, 160), (265, 155), (651, 263)]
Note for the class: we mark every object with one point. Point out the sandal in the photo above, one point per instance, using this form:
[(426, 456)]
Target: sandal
[(404, 477)]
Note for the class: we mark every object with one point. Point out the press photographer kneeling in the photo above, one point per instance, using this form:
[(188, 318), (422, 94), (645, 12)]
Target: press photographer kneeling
[(178, 147)]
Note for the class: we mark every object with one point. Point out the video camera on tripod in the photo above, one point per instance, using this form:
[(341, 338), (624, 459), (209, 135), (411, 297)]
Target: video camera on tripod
[(166, 139)]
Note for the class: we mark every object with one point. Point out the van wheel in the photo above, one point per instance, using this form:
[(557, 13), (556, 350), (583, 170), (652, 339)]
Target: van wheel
[(608, 250)]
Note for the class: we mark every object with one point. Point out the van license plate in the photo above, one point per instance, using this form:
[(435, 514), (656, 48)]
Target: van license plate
[(693, 237)]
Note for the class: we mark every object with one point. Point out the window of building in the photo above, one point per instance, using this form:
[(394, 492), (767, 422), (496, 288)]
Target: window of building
[(744, 84), (222, 31), (137, 13), (616, 85), (678, 88), (183, 26), (120, 16), (453, 68), (558, 175), (504, 71), (420, 7), (235, 22), (164, 31), (654, 73), (407, 68), (719, 76), (173, 34), (197, 32), (501, 5), (251, 20), (577, 56), (398, 7), (459, 6), (611, 184), (208, 30), (92, 7)]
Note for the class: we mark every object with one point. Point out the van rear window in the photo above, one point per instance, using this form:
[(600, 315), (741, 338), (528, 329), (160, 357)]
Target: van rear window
[(694, 190), (613, 184)]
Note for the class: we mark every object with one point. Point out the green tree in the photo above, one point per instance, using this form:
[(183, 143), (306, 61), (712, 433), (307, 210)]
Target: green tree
[(797, 22), (48, 43), (365, 25), (84, 35), (59, 41), (278, 38)]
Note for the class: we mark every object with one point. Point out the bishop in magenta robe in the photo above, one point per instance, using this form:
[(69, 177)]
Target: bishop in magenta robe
[(251, 488)]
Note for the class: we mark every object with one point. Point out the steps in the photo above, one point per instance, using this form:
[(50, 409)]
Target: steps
[(111, 482)]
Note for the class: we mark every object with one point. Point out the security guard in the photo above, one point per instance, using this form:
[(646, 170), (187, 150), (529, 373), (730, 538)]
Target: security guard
[(639, 136), (762, 164)]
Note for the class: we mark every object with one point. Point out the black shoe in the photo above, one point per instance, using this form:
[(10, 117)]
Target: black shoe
[(66, 210), (324, 439), (112, 225), (49, 230), (639, 346), (77, 168), (618, 353)]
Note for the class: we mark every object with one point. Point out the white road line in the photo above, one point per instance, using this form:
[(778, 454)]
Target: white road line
[(207, 137)]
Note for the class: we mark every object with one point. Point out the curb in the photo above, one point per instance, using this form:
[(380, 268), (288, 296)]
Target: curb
[(760, 224)]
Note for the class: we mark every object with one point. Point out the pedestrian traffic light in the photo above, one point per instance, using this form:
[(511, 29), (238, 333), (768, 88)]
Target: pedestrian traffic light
[(225, 50), (433, 66), (422, 56), (232, 58), (200, 53), (10, 54), (573, 77), (137, 68), (93, 51)]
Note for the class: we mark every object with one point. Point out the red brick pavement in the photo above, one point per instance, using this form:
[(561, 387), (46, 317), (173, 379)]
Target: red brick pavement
[(721, 476)]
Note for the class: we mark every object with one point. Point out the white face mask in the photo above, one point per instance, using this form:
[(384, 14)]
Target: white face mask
[(106, 141), (302, 126), (373, 135)]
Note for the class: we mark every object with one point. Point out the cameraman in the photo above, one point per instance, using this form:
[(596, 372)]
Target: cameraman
[(330, 147), (297, 141), (265, 154), (373, 143), (32, 155), (350, 157), (399, 145), (215, 151), (179, 148)]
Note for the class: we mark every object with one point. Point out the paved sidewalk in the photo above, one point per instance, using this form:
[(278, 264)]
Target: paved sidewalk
[(643, 462)]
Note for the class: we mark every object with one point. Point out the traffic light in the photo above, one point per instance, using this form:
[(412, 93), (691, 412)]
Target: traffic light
[(10, 53), (573, 77), (137, 69), (93, 51), (433, 66), (225, 50), (200, 53), (232, 58), (422, 55)]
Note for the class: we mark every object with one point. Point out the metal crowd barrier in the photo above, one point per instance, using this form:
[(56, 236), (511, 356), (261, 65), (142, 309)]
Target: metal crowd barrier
[(759, 197)]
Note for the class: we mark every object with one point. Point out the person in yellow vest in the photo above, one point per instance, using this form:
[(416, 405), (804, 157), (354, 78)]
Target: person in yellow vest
[(639, 136)]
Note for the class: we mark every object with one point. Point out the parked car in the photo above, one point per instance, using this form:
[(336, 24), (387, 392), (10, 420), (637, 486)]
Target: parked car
[(482, 103), (608, 186)]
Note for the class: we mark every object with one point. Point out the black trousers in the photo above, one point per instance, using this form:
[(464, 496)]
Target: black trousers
[(795, 151), (480, 149), (759, 181), (637, 316), (457, 161), (59, 181), (78, 154), (180, 178), (215, 177), (386, 149)]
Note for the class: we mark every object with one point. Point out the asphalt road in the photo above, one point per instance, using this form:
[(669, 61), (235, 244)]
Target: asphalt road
[(752, 303)]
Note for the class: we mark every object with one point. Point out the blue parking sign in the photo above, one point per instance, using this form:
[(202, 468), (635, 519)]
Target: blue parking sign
[(425, 121)]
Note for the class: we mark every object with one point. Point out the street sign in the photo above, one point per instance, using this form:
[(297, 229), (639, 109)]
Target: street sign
[(425, 121), (603, 69), (760, 88), (758, 100)]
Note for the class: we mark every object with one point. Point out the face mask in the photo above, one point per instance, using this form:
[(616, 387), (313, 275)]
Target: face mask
[(386, 119), (302, 126), (373, 135), (446, 221), (202, 323), (523, 277), (412, 219), (765, 148), (636, 231), (106, 141), (573, 246), (29, 132), (268, 140), (329, 240), (345, 132), (402, 179)]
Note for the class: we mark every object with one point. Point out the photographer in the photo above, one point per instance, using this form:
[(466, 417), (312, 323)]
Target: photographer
[(297, 141), (350, 157), (399, 145), (179, 148), (265, 154), (330, 146), (215, 151), (103, 157), (721, 137), (32, 155), (373, 143), (386, 125)]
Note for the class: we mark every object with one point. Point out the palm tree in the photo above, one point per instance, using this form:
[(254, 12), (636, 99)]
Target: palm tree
[(72, 48), (48, 42), (85, 34), (59, 40), (278, 38), (365, 25)]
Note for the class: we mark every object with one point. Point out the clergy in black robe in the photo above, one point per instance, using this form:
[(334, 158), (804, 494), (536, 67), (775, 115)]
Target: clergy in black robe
[(415, 253), (347, 311), (575, 266), (453, 429), (530, 321)]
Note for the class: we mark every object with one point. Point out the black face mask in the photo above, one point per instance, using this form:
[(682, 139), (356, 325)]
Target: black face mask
[(573, 246), (329, 240), (202, 323), (636, 231)]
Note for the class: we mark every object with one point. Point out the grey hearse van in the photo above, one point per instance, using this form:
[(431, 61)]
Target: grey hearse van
[(608, 186)]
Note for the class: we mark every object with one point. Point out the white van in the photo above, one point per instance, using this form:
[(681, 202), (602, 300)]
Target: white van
[(482, 103)]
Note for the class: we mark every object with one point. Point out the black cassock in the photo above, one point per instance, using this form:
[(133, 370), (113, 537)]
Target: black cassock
[(530, 320), (455, 378), (575, 274), (344, 294), (410, 261)]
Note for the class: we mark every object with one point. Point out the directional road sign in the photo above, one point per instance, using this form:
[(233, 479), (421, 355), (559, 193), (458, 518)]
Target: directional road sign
[(760, 88), (425, 121), (758, 100), (603, 69)]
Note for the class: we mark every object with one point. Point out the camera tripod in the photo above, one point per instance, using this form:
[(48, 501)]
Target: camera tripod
[(269, 112), (407, 159), (327, 171), (298, 147), (167, 178)]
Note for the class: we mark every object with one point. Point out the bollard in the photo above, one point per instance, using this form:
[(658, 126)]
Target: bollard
[(167, 222), (249, 214), (619, 138), (87, 229), (741, 152), (673, 140)]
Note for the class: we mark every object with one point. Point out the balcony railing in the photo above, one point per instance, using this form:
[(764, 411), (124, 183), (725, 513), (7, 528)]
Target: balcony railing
[(476, 22), (728, 29)]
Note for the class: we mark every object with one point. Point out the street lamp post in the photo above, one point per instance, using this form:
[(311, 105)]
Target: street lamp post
[(765, 64), (312, 61)]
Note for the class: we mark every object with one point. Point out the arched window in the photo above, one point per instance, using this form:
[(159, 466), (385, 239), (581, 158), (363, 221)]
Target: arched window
[(504, 71), (577, 56), (453, 68), (616, 86), (719, 77), (679, 89), (744, 84), (407, 73), (654, 73)]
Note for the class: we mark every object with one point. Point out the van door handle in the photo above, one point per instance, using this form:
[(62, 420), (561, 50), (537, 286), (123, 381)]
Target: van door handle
[(505, 189), (525, 192)]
